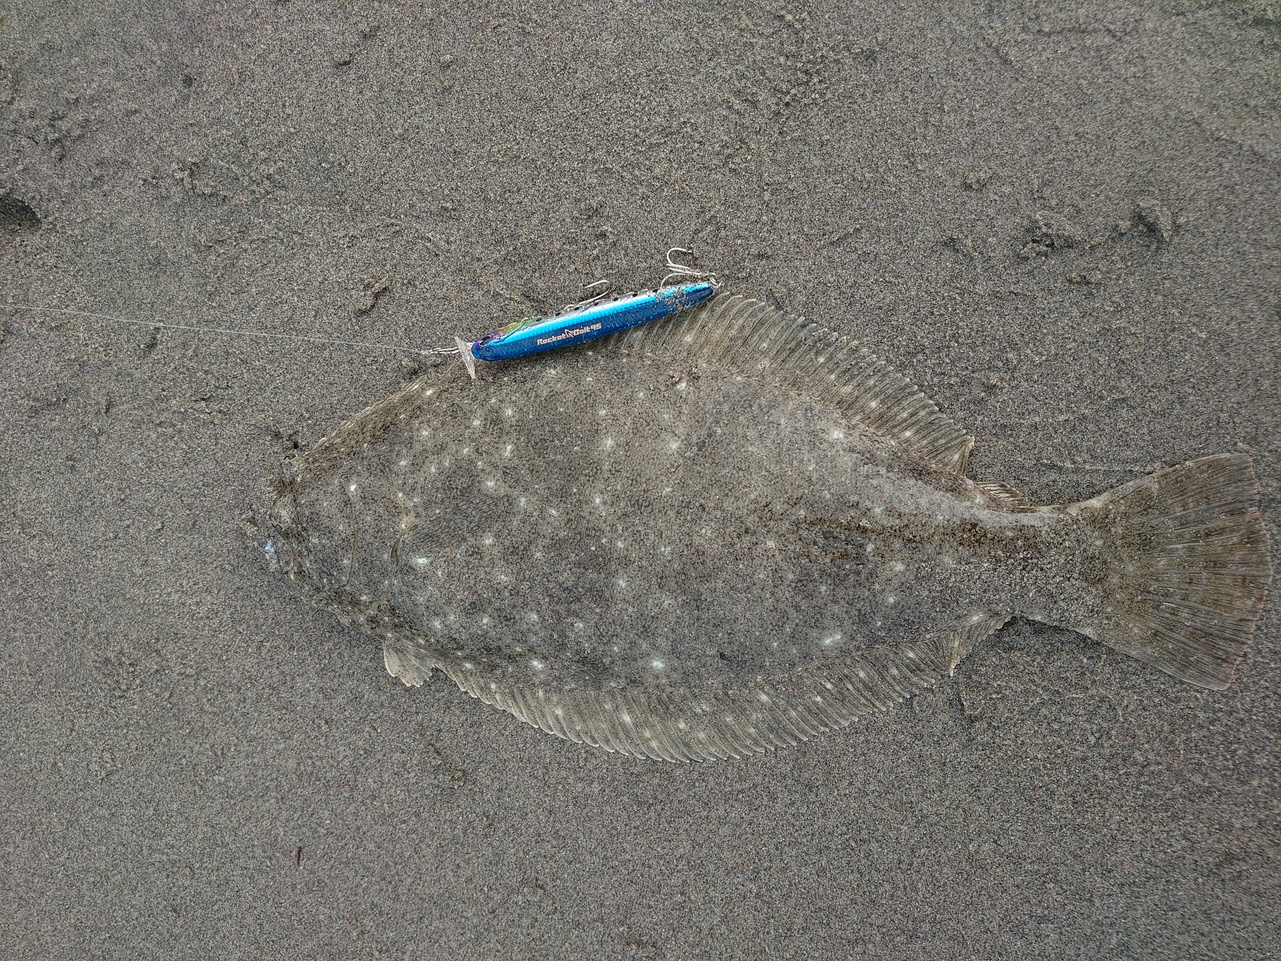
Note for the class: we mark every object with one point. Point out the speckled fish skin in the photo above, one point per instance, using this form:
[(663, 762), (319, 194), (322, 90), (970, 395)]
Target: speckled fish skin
[(732, 532)]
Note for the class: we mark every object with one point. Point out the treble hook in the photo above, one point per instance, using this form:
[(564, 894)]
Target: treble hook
[(678, 269), (603, 284)]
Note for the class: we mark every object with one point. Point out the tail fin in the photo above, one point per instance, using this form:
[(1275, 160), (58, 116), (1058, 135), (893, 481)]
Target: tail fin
[(1189, 567)]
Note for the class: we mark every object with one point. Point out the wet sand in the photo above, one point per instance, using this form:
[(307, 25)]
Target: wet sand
[(1063, 225)]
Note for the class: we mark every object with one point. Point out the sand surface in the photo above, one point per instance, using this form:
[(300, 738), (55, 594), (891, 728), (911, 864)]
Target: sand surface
[(1061, 221)]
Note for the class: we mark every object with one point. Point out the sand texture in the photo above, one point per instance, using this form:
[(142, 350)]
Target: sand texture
[(1062, 222)]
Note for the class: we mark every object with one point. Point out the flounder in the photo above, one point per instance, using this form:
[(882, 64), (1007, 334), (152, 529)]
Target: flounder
[(729, 531)]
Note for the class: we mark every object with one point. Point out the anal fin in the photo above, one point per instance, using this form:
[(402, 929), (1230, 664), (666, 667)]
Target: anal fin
[(716, 721)]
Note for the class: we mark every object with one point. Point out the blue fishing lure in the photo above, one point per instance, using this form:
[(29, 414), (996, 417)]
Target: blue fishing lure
[(587, 322), (592, 318)]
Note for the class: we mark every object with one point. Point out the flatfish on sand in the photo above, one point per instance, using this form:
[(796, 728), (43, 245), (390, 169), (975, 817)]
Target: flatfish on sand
[(732, 530)]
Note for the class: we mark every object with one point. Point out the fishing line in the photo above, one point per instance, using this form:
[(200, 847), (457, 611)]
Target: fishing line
[(577, 323)]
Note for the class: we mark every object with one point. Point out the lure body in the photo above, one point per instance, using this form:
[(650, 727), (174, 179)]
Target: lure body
[(587, 322)]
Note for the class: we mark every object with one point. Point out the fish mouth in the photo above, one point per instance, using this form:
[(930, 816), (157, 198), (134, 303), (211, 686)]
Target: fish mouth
[(277, 553), (270, 534)]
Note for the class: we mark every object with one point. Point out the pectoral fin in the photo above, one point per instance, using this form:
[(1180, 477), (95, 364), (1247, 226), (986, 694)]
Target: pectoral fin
[(969, 632), (405, 663)]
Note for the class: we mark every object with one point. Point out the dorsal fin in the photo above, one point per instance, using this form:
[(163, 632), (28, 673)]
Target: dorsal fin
[(758, 341)]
